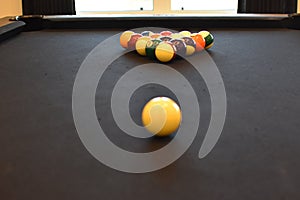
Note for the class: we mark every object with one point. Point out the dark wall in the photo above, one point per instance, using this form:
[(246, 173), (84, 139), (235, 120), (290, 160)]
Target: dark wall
[(268, 6), (48, 7)]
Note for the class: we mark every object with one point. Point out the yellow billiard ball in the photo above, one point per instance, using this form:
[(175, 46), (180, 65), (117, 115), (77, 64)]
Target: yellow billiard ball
[(161, 116)]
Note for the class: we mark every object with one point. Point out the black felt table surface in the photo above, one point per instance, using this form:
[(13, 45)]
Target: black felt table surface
[(256, 157)]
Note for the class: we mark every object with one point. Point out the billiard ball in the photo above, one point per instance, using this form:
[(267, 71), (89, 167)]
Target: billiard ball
[(166, 33), (151, 46), (133, 38), (200, 42), (146, 33), (185, 33), (190, 45), (180, 47), (165, 38), (124, 38), (165, 51), (155, 35), (161, 116), (208, 37), (176, 35), (140, 45)]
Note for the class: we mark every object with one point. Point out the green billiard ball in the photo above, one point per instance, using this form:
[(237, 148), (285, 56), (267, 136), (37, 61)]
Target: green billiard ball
[(151, 46), (208, 37)]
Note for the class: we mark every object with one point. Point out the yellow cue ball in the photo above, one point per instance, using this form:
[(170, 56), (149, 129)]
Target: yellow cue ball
[(161, 116)]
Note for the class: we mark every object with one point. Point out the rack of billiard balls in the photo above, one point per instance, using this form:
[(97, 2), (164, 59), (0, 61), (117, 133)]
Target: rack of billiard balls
[(166, 45)]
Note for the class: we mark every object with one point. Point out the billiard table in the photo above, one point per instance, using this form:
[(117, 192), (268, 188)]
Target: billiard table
[(43, 155)]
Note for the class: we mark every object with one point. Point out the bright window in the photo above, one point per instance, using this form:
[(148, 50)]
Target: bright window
[(204, 5), (113, 5), (156, 6)]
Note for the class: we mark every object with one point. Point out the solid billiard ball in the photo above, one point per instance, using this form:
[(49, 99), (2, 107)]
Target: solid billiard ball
[(176, 35), (208, 37), (124, 38), (151, 46), (190, 45), (185, 33), (180, 47), (165, 51), (161, 116), (200, 42), (166, 33), (155, 35), (133, 39), (140, 45)]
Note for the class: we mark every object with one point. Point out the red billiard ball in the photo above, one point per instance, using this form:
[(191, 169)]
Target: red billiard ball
[(166, 33), (131, 43)]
